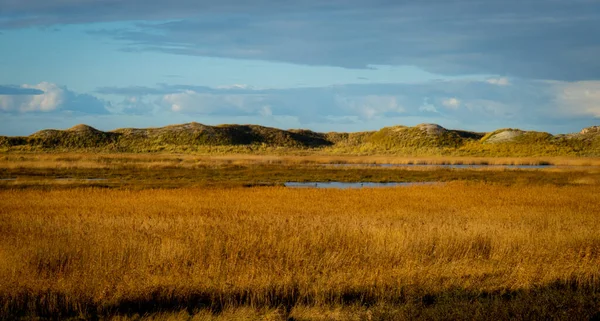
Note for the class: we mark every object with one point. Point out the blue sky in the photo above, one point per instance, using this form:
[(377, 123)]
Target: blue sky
[(329, 66)]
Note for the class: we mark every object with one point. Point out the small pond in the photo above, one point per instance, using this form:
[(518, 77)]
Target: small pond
[(454, 166), (81, 179), (344, 185)]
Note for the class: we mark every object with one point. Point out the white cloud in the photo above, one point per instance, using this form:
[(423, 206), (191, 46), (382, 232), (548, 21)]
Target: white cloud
[(427, 107), (451, 103), (502, 81), (53, 98), (235, 86), (50, 100), (370, 106), (266, 111), (495, 109), (135, 105), (193, 102), (580, 98)]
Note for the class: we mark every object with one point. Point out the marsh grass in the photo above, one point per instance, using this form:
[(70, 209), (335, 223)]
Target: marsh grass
[(418, 252), (136, 171), (110, 160)]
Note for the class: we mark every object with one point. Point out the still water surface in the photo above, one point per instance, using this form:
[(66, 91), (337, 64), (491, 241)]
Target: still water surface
[(457, 166), (344, 185)]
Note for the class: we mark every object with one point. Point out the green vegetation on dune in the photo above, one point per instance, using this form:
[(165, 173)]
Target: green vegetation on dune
[(418, 137), (80, 136), (194, 134), (420, 140), (515, 142)]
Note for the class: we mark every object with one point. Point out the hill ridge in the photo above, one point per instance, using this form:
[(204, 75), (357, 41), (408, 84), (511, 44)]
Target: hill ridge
[(422, 139)]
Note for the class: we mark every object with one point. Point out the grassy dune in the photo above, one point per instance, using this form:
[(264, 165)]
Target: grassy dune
[(420, 140), (459, 250)]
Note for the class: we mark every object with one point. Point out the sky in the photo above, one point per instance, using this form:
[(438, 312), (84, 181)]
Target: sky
[(335, 65)]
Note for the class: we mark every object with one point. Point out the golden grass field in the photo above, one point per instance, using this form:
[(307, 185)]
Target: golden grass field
[(451, 251), (178, 237)]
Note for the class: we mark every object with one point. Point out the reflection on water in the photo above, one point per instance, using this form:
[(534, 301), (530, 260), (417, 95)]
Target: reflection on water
[(81, 179), (457, 166), (344, 185)]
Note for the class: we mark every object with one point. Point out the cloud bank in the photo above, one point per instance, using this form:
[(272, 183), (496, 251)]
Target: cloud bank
[(47, 97), (516, 102), (580, 98), (536, 39), (476, 105)]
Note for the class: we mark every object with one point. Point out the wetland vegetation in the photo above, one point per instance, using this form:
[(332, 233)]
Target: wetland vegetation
[(462, 250), (163, 236)]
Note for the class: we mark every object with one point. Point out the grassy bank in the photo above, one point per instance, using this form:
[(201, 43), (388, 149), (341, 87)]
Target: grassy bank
[(102, 160), (465, 250), (137, 171), (237, 175)]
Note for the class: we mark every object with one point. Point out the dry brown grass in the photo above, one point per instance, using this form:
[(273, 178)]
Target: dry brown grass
[(95, 251), (105, 160)]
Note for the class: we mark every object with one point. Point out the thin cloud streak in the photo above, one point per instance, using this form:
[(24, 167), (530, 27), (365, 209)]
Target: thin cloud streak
[(15, 90)]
